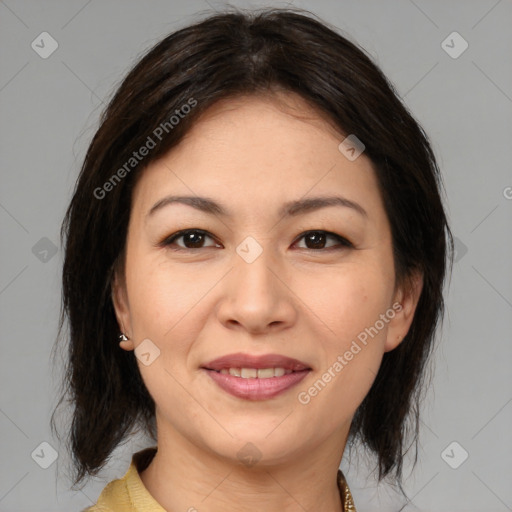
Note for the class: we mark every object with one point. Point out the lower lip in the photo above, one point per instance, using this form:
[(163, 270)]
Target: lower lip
[(256, 389)]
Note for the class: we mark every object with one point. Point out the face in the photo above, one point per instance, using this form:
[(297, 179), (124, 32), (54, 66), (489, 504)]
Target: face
[(264, 279)]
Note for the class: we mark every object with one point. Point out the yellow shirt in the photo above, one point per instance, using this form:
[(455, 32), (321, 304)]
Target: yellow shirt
[(128, 494)]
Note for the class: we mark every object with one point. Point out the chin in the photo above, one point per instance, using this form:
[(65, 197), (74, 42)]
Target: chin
[(251, 446)]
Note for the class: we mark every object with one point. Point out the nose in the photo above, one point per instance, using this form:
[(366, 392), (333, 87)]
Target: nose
[(257, 297)]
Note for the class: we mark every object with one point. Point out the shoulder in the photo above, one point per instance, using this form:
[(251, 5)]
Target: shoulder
[(97, 508), (127, 493), (112, 498)]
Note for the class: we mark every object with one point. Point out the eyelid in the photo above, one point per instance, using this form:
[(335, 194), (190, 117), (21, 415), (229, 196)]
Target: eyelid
[(178, 234), (343, 241)]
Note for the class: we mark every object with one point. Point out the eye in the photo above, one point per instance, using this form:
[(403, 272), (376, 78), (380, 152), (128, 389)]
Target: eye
[(316, 240), (192, 239)]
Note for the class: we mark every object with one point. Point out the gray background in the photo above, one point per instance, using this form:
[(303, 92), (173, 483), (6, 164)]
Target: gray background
[(49, 112)]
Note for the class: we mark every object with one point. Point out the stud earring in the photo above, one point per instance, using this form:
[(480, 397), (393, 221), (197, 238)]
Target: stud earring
[(123, 337)]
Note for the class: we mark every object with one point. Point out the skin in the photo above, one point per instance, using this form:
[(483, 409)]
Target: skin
[(251, 155)]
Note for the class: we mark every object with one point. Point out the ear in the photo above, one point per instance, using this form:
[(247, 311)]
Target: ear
[(405, 302), (122, 308)]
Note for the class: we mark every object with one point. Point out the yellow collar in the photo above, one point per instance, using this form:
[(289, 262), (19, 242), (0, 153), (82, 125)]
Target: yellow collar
[(130, 495)]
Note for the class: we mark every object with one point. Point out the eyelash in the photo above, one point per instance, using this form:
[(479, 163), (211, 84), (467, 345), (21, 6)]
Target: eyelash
[(167, 242)]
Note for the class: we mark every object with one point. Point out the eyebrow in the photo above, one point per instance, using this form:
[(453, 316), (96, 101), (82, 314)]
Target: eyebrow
[(289, 209)]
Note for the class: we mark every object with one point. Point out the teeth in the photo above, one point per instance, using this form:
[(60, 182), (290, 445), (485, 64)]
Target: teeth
[(253, 373), (265, 373)]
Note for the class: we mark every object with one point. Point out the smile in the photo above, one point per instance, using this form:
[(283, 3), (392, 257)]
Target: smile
[(255, 373), (256, 377)]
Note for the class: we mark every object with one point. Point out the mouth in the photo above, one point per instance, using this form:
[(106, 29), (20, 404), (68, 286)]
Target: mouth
[(256, 377)]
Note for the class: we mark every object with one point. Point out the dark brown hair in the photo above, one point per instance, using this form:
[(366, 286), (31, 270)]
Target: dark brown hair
[(225, 55)]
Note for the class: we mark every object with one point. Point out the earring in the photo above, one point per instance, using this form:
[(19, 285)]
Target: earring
[(123, 337)]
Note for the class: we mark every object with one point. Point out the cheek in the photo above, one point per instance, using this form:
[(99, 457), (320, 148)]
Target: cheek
[(347, 301), (161, 297), (348, 307), (164, 307), (336, 394), (351, 352)]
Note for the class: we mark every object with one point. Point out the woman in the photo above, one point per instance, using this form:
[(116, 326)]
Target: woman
[(255, 255)]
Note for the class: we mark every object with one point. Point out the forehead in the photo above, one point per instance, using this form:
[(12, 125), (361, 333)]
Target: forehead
[(259, 151), (282, 104)]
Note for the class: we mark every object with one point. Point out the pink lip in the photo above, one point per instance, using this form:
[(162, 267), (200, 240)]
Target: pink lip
[(241, 360), (254, 388)]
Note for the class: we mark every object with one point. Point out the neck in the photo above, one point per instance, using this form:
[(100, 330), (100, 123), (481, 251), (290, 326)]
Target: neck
[(183, 476)]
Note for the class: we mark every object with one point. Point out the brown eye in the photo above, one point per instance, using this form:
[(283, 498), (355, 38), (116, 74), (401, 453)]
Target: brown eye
[(195, 239), (192, 239), (316, 240)]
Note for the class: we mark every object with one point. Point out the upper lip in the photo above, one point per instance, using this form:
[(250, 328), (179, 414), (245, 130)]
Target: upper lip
[(241, 360)]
